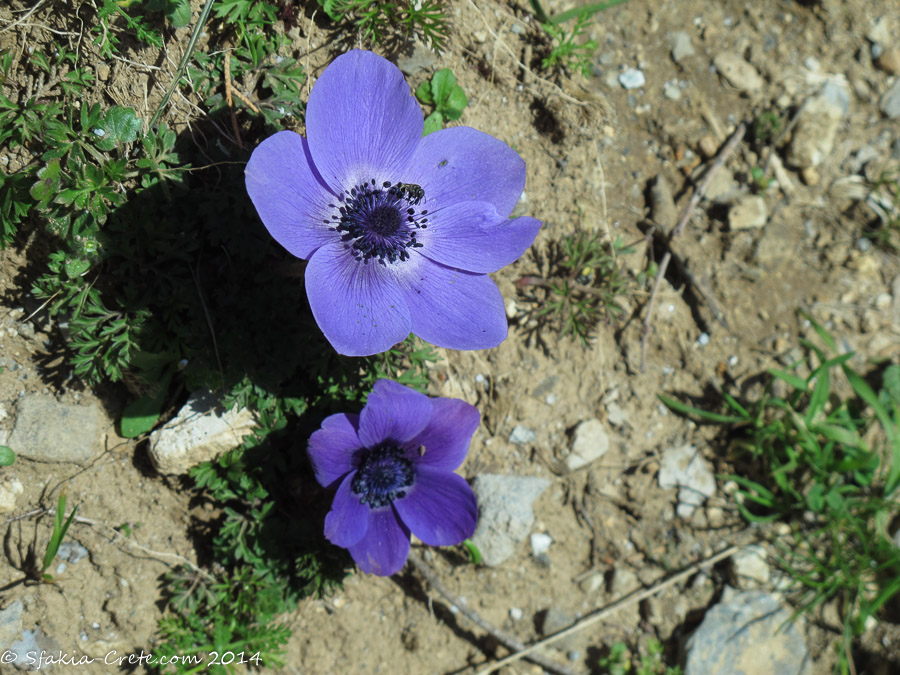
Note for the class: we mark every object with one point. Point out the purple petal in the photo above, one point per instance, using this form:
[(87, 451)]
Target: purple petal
[(471, 236), (463, 164), (288, 194), (447, 436), (358, 306), (384, 548), (348, 521), (454, 309), (440, 509), (361, 120), (393, 411), (332, 446)]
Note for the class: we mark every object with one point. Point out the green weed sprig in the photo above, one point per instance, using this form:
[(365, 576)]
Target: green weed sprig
[(569, 50), (378, 21), (583, 284), (60, 527)]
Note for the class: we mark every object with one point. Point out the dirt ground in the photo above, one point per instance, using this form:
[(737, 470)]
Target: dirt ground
[(594, 150)]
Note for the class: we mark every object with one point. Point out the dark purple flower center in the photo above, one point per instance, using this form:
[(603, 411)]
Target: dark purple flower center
[(382, 476), (380, 221)]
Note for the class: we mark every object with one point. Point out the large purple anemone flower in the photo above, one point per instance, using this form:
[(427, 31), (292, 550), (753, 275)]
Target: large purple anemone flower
[(400, 231), (393, 469)]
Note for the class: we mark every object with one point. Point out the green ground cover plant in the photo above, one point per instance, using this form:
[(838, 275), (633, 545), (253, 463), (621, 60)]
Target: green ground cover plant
[(820, 450), (157, 281)]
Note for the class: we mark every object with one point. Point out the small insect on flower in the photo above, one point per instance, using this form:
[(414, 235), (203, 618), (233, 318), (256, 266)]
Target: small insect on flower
[(413, 193), (380, 265)]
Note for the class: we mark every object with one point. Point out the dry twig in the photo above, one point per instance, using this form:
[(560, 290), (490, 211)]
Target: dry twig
[(230, 101), (632, 598), (726, 152), (507, 640)]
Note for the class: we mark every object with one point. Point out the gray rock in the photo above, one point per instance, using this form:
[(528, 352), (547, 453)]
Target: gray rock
[(49, 431), (632, 79), (778, 243), (27, 651), (522, 435), (505, 516), (589, 444), (740, 74), (889, 104), (747, 634), (817, 123), (662, 203), (685, 468), (71, 551), (748, 213), (421, 59), (554, 620), (624, 580), (10, 623), (682, 47), (201, 431)]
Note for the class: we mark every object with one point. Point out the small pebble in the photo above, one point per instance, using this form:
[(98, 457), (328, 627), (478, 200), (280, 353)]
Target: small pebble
[(515, 614), (522, 435), (671, 90), (540, 543), (632, 79), (703, 340)]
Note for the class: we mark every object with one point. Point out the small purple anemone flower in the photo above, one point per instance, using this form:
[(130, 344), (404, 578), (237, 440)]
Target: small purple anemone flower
[(393, 469), (400, 230)]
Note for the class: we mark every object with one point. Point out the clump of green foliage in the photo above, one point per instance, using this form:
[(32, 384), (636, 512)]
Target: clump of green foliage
[(650, 660), (569, 50), (383, 22), (158, 274), (581, 286), (828, 463), (445, 95)]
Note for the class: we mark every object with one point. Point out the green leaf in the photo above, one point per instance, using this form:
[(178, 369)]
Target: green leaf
[(423, 93), (76, 267), (680, 407), (795, 381), (455, 104), (7, 456), (47, 186), (890, 383), (120, 125), (179, 15), (433, 123), (442, 83)]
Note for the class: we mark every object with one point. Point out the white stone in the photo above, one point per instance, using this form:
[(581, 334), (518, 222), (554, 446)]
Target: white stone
[(10, 489), (540, 543), (632, 79), (685, 468), (590, 444), (749, 212), (522, 435), (516, 614), (750, 563), (817, 123), (200, 432), (740, 74), (682, 47)]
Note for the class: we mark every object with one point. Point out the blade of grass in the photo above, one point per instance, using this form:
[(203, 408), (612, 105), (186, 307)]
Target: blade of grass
[(685, 409)]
